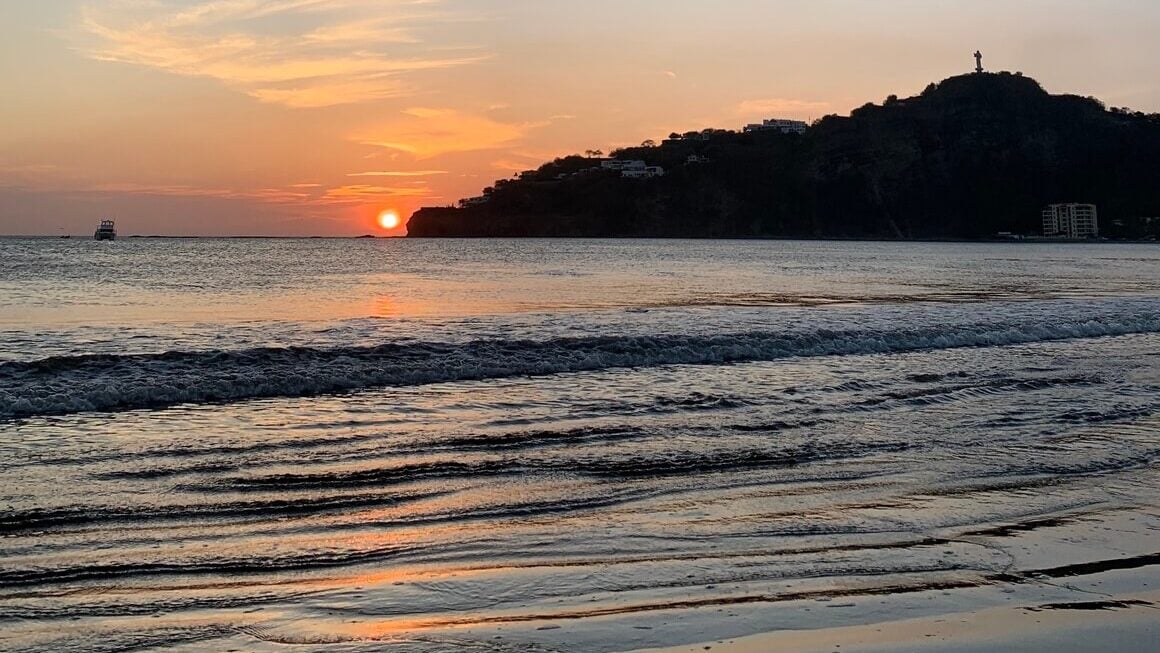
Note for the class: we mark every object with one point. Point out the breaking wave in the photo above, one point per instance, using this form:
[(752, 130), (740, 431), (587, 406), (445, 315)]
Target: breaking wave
[(63, 385)]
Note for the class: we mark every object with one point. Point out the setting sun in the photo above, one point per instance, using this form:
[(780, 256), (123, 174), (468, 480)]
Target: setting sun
[(388, 219)]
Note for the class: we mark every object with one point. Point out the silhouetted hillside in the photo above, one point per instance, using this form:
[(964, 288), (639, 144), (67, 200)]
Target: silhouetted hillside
[(969, 157)]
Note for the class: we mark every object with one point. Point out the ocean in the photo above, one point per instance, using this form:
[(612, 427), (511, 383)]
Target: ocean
[(572, 445)]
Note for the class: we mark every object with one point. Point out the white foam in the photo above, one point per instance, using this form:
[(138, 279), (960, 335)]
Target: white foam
[(66, 385)]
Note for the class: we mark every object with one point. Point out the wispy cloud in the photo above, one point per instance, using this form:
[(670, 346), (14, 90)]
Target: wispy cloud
[(26, 175), (397, 173), (785, 106), (511, 165), (425, 132), (364, 191), (298, 53), (297, 194), (277, 195)]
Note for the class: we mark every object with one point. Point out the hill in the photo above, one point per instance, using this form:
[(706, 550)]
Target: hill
[(970, 157)]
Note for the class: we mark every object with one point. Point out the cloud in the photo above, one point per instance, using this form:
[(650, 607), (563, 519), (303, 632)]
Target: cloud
[(397, 173), (508, 165), (25, 175), (369, 31), (277, 195), (362, 191), (304, 195), (784, 106), (670, 74), (425, 132), (314, 94), (298, 53)]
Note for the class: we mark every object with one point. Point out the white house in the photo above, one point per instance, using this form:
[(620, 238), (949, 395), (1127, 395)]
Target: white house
[(632, 168), (778, 124), (643, 173), (617, 164), (1071, 221)]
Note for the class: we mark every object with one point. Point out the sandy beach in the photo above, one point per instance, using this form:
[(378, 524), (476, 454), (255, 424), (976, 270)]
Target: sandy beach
[(1128, 624), (1094, 595)]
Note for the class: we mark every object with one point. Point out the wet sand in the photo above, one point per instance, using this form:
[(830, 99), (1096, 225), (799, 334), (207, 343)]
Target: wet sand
[(1128, 624), (1070, 588)]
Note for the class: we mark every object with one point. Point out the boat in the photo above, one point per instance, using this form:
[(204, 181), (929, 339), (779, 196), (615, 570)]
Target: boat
[(105, 231)]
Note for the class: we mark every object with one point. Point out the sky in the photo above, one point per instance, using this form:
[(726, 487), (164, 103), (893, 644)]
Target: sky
[(313, 117)]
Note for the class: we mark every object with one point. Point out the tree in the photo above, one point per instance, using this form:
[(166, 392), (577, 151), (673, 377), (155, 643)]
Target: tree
[(648, 143), (592, 154), (973, 155)]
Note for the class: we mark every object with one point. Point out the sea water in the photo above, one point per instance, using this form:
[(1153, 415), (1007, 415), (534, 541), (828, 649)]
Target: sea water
[(574, 445)]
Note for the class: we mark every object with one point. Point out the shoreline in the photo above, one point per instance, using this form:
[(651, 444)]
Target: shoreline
[(1012, 241), (1072, 585), (1128, 624)]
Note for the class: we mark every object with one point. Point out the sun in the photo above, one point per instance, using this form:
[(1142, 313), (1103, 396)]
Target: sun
[(388, 219)]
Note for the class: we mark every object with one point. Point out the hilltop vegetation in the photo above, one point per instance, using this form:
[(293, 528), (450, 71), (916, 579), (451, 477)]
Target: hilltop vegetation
[(970, 157)]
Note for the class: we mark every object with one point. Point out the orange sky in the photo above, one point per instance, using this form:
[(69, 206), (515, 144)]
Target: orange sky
[(312, 116)]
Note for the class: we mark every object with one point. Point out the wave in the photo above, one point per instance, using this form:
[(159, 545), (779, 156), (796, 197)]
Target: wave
[(642, 465), (43, 519), (62, 385)]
